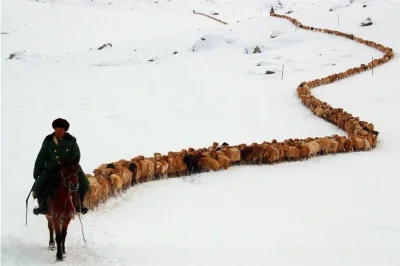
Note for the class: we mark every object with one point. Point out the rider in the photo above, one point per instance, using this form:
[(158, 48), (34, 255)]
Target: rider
[(56, 147)]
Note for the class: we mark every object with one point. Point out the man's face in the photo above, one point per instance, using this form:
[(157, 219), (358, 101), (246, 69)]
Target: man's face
[(59, 132)]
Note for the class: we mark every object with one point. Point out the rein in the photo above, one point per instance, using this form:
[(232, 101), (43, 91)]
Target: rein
[(70, 188), (79, 216)]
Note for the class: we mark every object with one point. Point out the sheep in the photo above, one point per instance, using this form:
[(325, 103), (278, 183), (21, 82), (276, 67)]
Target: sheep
[(94, 194), (116, 184), (314, 148), (291, 152), (223, 161), (209, 163), (233, 153), (304, 151), (106, 186), (358, 143)]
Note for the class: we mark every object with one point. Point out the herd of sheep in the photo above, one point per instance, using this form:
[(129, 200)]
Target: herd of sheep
[(109, 179)]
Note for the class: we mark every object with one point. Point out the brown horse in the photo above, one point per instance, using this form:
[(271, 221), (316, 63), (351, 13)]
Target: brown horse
[(62, 204)]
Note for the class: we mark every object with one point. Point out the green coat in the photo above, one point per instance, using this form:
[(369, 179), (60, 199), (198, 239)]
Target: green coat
[(50, 156)]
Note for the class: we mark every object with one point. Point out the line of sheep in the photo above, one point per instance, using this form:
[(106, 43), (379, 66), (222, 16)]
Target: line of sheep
[(109, 179), (361, 134)]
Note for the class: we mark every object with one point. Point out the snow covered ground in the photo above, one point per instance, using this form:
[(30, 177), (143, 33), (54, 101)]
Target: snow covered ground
[(138, 97)]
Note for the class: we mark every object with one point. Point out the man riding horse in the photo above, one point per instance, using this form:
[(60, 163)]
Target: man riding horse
[(55, 148)]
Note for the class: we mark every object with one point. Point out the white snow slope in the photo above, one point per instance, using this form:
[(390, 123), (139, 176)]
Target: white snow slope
[(340, 209)]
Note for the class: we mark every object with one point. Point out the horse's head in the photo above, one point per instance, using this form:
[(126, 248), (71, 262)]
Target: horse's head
[(69, 174)]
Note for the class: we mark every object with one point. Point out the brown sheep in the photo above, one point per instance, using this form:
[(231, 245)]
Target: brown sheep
[(232, 153), (209, 163), (358, 143), (106, 186), (281, 152), (291, 152), (116, 184), (271, 154), (94, 194), (124, 173), (348, 145), (304, 152), (147, 168), (314, 148), (223, 161), (180, 165), (324, 144)]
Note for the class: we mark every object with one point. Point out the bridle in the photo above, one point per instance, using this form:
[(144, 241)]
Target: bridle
[(71, 187)]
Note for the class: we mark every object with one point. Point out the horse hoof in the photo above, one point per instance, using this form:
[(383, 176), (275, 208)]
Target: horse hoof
[(60, 256), (52, 246)]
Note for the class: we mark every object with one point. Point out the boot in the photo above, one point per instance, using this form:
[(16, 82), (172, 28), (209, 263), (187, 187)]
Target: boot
[(42, 208), (81, 207)]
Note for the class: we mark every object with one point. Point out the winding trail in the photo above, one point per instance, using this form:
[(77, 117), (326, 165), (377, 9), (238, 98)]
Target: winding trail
[(361, 135), (356, 129)]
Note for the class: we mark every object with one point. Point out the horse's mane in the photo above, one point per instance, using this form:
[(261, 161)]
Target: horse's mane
[(69, 162)]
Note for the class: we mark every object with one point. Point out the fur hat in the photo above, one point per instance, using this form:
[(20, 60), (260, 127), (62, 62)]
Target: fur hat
[(59, 122)]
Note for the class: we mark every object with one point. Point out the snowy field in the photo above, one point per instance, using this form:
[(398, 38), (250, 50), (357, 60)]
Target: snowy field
[(139, 97)]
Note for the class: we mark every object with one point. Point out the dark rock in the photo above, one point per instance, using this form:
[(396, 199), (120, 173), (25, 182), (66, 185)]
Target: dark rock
[(289, 12), (367, 22), (104, 46), (12, 56), (203, 39), (268, 72), (175, 52), (364, 6), (257, 50)]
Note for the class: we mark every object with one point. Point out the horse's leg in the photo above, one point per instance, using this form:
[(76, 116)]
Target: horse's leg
[(51, 231), (64, 234), (57, 227)]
